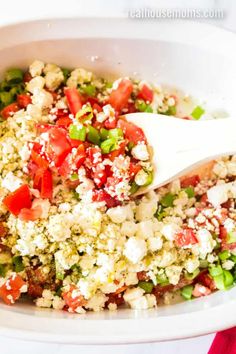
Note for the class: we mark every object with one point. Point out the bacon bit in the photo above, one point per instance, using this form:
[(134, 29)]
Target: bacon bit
[(201, 290)]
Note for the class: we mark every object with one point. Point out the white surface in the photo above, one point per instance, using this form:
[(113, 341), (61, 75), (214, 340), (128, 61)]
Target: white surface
[(28, 9)]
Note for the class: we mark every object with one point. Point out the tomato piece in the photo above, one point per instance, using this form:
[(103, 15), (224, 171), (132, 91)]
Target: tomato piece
[(58, 145), (94, 155), (99, 176), (74, 99), (38, 178), (200, 290), (191, 181), (132, 133), (30, 214), (114, 298), (73, 298), (185, 237), (34, 290), (19, 199), (120, 151), (23, 100), (142, 276), (205, 279), (39, 160), (72, 162), (146, 93), (102, 196), (27, 77), (224, 240), (64, 122), (119, 97), (46, 185), (97, 107), (9, 110), (11, 290), (134, 169), (110, 123)]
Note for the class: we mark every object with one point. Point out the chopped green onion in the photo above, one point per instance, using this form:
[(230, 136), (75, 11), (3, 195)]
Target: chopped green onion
[(89, 90), (203, 263), (149, 178), (171, 111), (224, 255), (108, 145), (187, 291), (219, 282), (93, 135), (231, 237), (197, 112), (189, 191), (88, 111), (104, 133), (147, 286), (17, 264), (133, 188), (193, 275), (228, 279), (130, 145), (167, 200), (77, 133), (15, 90), (149, 109), (233, 258), (2, 270), (60, 276), (160, 213), (162, 279), (74, 177), (116, 133), (14, 76), (6, 98), (66, 73), (108, 84), (215, 270), (223, 278), (140, 105)]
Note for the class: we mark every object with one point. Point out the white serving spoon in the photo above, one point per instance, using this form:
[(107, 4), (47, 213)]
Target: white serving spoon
[(178, 145)]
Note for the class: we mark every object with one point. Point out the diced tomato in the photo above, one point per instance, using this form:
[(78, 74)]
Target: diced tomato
[(102, 196), (10, 291), (38, 178), (72, 162), (146, 93), (185, 237), (134, 169), (9, 110), (94, 155), (114, 298), (44, 128), (46, 185), (23, 100), (200, 290), (110, 123), (58, 145), (64, 122), (99, 176), (132, 133), (224, 240), (191, 181), (131, 107), (205, 279), (97, 107), (18, 200), (74, 99), (73, 298), (120, 151), (119, 97), (27, 77), (39, 160), (30, 214), (160, 290)]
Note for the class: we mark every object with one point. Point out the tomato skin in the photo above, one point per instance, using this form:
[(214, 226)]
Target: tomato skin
[(58, 146), (134, 169), (12, 288), (205, 279), (102, 196), (74, 99), (110, 123), (64, 122), (99, 176), (146, 93), (43, 128), (19, 199), (132, 133), (191, 181), (30, 214), (9, 110), (119, 97), (120, 151), (72, 161), (97, 107), (73, 301), (39, 160), (224, 238), (201, 290), (46, 185), (185, 237), (94, 155), (23, 100), (143, 276)]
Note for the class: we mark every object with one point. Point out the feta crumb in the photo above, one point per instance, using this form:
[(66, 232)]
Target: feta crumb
[(36, 68), (135, 249), (140, 152)]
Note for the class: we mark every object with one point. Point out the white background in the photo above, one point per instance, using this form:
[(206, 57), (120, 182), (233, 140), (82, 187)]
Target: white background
[(15, 10)]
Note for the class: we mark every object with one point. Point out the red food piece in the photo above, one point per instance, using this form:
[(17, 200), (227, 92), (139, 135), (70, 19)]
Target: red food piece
[(119, 97), (110, 123), (30, 214), (191, 181), (58, 146), (185, 237), (200, 290), (142, 276), (99, 175), (146, 93), (10, 291), (46, 185), (120, 151), (205, 279), (19, 199), (34, 290), (134, 169), (224, 240), (73, 298), (39, 159), (23, 100), (74, 99), (9, 110), (27, 77), (102, 196), (132, 133), (72, 162)]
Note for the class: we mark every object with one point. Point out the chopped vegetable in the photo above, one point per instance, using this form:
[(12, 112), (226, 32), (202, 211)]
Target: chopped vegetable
[(197, 112)]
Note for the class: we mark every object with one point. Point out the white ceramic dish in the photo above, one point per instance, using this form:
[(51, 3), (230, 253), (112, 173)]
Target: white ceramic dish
[(198, 58)]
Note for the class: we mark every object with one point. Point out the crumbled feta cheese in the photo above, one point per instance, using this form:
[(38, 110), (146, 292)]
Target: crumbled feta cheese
[(36, 68), (205, 242), (145, 229), (135, 249), (11, 182), (140, 152), (35, 84)]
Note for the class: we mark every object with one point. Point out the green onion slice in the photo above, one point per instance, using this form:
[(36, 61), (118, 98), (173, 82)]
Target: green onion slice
[(76, 132)]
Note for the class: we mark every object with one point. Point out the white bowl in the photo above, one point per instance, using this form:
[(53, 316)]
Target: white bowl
[(198, 58)]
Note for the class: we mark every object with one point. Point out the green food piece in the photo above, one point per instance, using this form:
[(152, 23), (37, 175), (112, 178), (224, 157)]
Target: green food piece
[(224, 255), (108, 145), (60, 276), (215, 271), (66, 73), (130, 145), (223, 278), (6, 98), (2, 270), (160, 213), (108, 85), (140, 105), (149, 178), (162, 279), (17, 264), (231, 237), (104, 133), (228, 278), (203, 263), (116, 133), (197, 112), (189, 191), (233, 258), (77, 133), (187, 291), (15, 90), (149, 109), (89, 90), (133, 188), (93, 135), (85, 114), (168, 200), (74, 177), (147, 286), (14, 76), (170, 112), (193, 275)]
